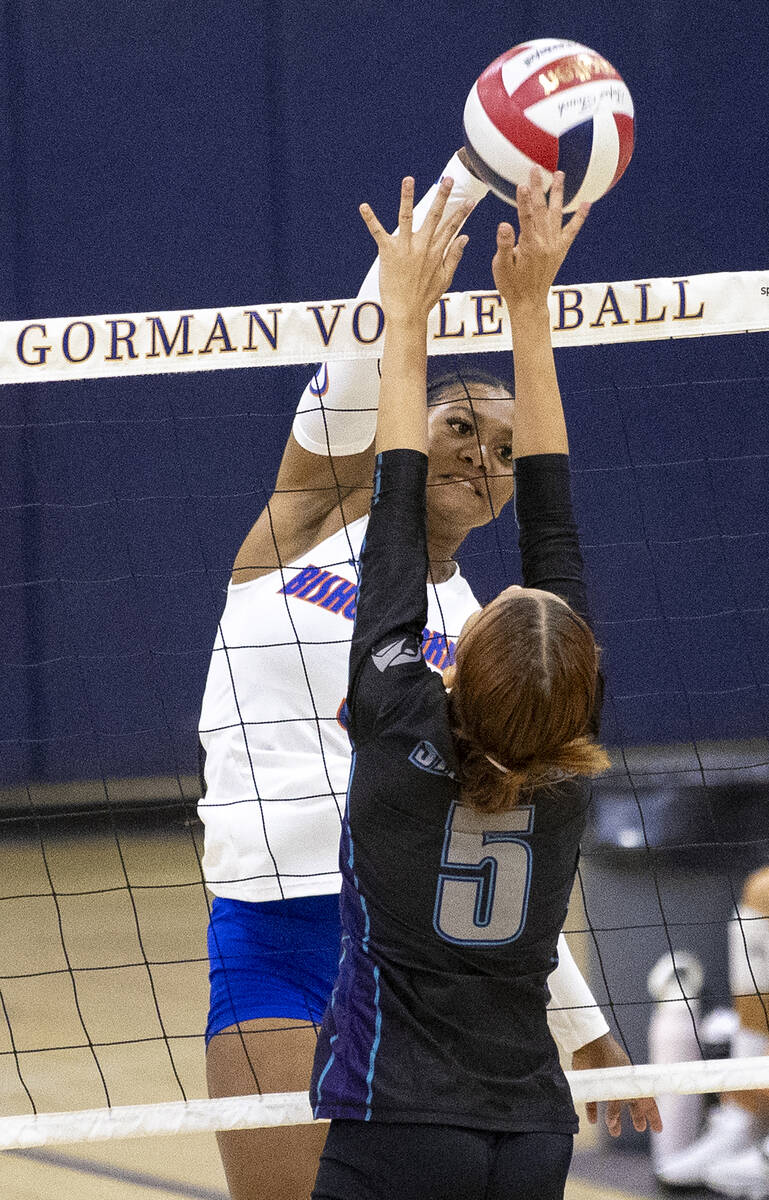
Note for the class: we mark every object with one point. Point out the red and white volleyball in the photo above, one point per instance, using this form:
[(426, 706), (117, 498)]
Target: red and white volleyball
[(552, 104)]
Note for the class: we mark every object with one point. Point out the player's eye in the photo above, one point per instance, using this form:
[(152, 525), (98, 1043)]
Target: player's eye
[(459, 425), (506, 454)]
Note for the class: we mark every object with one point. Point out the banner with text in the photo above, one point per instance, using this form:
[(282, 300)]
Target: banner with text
[(264, 335)]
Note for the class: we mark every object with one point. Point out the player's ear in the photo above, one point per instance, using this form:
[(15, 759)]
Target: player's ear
[(448, 676)]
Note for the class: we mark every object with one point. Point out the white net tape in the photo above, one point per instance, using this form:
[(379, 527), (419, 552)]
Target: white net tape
[(263, 335), (293, 1108)]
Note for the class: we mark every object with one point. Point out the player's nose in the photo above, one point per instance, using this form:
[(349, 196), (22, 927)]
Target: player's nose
[(476, 455)]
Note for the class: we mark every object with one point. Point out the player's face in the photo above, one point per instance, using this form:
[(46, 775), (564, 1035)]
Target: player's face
[(470, 472)]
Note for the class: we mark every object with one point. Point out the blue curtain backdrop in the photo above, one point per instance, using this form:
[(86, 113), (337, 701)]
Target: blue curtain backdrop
[(167, 155)]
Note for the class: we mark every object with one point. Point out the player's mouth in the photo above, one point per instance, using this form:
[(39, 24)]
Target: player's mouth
[(472, 484)]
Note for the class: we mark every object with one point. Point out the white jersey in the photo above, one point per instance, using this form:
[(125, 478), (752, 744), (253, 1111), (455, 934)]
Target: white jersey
[(277, 752)]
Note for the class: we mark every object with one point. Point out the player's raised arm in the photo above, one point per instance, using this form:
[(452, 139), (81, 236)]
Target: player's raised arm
[(337, 411), (524, 272), (324, 479), (416, 268)]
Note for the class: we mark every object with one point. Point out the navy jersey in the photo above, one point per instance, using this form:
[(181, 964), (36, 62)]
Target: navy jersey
[(450, 917)]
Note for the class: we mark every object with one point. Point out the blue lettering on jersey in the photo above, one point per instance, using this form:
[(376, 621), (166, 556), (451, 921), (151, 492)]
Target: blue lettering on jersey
[(437, 649), (426, 757), (339, 595)]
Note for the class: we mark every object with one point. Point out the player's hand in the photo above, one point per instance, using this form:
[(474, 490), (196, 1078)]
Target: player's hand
[(524, 270), (606, 1052), (416, 268)]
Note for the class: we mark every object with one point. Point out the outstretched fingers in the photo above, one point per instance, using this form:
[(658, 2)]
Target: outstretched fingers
[(503, 262), (435, 233), (555, 202), (570, 230), (453, 256), (448, 230), (541, 217), (373, 224), (416, 266), (406, 210), (435, 212), (505, 237), (539, 206), (525, 207)]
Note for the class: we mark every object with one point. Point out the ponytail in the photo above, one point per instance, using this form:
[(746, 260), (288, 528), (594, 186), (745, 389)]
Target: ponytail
[(488, 786)]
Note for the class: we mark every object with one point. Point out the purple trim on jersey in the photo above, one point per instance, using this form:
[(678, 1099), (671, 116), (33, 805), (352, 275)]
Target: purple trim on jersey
[(355, 971), (332, 1040), (350, 1081), (345, 944)]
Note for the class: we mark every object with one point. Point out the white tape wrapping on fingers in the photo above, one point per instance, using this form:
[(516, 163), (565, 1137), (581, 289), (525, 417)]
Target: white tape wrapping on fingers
[(293, 1108), (48, 349)]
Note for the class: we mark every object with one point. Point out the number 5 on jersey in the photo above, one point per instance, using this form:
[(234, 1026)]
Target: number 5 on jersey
[(483, 889)]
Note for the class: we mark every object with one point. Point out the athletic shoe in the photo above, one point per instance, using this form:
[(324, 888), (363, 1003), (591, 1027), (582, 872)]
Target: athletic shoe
[(729, 1131), (743, 1176)]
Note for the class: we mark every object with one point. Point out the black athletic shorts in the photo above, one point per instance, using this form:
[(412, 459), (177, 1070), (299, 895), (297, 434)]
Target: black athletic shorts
[(370, 1160)]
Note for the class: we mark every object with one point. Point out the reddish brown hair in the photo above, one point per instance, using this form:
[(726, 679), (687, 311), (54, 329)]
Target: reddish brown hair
[(524, 694)]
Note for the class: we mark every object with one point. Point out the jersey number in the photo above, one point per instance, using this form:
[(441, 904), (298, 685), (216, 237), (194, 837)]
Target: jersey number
[(483, 889)]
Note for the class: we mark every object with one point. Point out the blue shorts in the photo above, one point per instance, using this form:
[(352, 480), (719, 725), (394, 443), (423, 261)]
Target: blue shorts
[(277, 959)]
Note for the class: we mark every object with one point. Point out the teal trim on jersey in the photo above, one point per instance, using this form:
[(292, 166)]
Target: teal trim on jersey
[(377, 483), (374, 1046), (375, 972), (323, 1075)]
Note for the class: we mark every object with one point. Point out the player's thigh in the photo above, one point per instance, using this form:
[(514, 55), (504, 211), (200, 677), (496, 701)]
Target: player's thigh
[(270, 1054), (271, 1164), (266, 1164), (530, 1166)]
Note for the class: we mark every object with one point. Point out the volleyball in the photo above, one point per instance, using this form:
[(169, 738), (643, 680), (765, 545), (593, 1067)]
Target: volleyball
[(555, 105)]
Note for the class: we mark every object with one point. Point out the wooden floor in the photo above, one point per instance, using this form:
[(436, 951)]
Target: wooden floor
[(156, 1169), (141, 1169), (124, 970)]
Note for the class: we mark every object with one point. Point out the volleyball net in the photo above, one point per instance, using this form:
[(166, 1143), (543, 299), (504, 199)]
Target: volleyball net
[(116, 497)]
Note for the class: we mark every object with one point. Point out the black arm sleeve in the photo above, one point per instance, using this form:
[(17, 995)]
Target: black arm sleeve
[(392, 588), (548, 538)]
